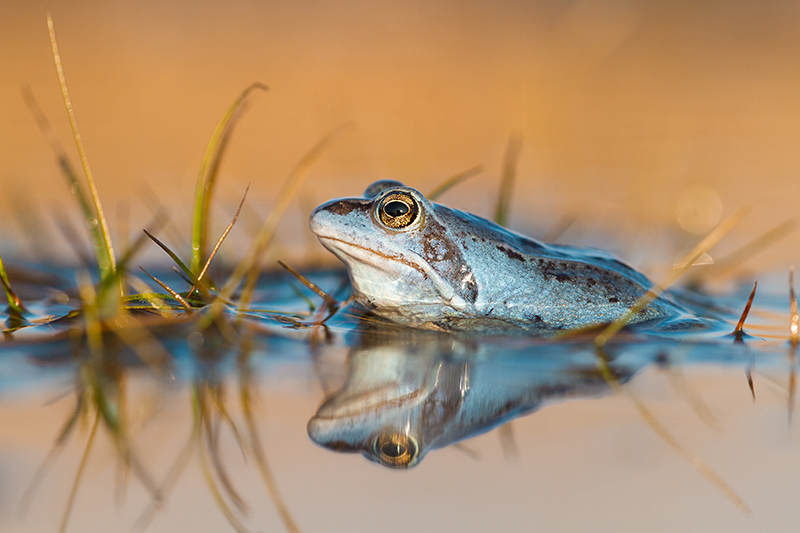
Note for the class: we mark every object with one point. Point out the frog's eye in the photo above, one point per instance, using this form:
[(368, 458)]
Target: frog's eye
[(395, 450), (398, 210)]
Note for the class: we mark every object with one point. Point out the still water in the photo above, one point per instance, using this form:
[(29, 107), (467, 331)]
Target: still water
[(362, 425)]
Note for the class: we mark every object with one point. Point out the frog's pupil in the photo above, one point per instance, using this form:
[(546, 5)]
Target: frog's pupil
[(393, 449), (396, 208)]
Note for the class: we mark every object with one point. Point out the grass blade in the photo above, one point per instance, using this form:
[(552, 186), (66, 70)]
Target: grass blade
[(452, 181), (61, 439), (508, 441), (192, 278), (249, 266), (172, 292), (255, 441), (724, 266), (507, 183), (310, 284), (221, 239), (130, 253), (75, 186), (794, 324), (738, 332), (655, 291), (81, 466), (173, 474), (14, 303), (208, 174), (200, 414), (105, 258)]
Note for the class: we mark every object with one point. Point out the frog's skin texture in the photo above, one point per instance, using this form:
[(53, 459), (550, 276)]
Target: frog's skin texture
[(435, 267)]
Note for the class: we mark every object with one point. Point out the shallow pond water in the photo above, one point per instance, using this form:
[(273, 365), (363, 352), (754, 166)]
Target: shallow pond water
[(363, 425)]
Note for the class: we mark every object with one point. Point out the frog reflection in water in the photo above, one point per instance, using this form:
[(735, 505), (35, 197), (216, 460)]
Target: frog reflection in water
[(404, 397), (429, 266)]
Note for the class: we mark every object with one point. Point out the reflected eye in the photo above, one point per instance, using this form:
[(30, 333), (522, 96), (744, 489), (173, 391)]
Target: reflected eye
[(395, 450), (398, 210)]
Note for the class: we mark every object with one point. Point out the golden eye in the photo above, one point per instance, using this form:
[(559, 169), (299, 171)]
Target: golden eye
[(395, 450), (398, 210)]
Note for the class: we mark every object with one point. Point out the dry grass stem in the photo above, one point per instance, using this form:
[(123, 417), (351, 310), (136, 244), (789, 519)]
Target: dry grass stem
[(452, 181), (738, 332), (654, 292), (180, 299), (507, 182)]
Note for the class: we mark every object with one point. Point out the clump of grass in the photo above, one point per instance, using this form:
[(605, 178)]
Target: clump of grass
[(106, 322)]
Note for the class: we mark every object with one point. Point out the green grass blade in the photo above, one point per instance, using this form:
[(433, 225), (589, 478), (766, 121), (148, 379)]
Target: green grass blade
[(67, 170), (122, 266), (185, 269), (207, 177), (105, 260), (196, 283), (14, 303)]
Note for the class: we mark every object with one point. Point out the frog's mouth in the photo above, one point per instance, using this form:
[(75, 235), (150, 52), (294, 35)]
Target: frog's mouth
[(355, 254), (388, 257)]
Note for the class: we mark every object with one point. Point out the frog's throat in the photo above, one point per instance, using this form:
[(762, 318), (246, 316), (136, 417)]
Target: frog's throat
[(445, 290)]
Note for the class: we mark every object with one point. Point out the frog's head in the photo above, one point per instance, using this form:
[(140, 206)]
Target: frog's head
[(398, 251)]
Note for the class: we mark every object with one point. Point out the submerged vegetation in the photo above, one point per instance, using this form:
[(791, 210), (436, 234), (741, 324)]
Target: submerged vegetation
[(120, 318)]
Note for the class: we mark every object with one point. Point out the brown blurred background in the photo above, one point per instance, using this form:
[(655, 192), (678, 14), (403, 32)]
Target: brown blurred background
[(635, 114)]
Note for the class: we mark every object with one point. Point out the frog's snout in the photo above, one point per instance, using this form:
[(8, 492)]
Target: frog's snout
[(336, 213), (317, 219)]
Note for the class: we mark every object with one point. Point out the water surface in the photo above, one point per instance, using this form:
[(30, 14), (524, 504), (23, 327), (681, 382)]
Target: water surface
[(608, 441)]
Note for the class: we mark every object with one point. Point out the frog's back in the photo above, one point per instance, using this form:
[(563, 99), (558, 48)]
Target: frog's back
[(546, 286)]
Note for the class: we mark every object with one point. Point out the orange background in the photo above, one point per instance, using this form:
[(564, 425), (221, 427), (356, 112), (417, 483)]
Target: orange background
[(623, 106)]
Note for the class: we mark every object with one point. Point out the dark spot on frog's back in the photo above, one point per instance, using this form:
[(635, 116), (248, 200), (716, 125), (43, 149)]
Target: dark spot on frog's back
[(345, 207), (444, 256), (469, 290), (510, 253)]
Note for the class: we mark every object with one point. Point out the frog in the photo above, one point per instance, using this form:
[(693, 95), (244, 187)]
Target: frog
[(426, 265)]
